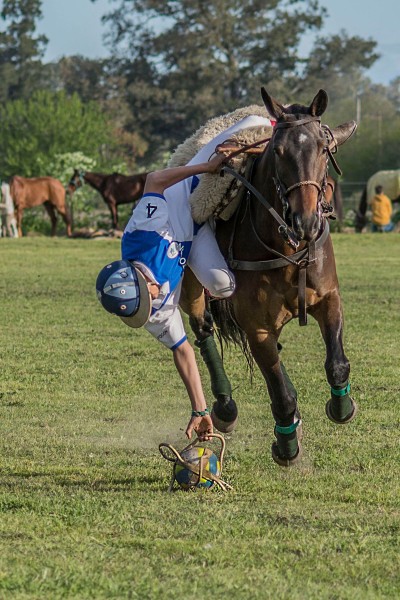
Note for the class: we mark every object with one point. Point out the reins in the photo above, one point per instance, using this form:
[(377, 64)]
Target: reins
[(305, 257), (284, 230)]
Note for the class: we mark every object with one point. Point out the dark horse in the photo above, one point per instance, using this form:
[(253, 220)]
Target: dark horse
[(281, 253), (27, 193), (115, 188)]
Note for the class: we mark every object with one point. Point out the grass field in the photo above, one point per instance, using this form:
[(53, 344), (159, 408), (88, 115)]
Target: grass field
[(85, 401)]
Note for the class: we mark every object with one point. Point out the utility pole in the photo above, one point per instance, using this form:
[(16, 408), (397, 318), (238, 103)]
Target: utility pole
[(358, 109), (379, 117)]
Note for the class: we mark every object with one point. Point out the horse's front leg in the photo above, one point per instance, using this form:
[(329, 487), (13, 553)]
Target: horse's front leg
[(192, 301), (264, 347), (112, 205), (341, 408)]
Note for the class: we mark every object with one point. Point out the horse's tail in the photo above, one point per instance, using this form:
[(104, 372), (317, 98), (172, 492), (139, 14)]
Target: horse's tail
[(228, 329)]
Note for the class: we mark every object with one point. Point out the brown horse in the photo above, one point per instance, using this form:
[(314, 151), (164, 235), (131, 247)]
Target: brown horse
[(27, 193), (282, 255), (115, 188)]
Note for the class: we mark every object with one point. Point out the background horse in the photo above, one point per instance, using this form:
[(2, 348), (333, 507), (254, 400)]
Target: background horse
[(282, 256), (35, 191), (115, 189)]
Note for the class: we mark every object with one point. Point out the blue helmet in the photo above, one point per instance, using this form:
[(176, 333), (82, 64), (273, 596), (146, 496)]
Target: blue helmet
[(122, 290)]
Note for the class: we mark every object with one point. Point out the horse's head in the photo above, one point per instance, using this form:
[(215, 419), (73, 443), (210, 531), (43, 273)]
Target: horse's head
[(76, 181), (298, 155)]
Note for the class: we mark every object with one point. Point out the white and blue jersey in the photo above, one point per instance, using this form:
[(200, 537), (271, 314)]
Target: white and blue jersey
[(158, 239), (161, 235)]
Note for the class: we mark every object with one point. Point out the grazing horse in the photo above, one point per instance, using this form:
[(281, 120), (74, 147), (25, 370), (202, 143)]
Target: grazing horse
[(279, 247), (115, 188), (35, 191)]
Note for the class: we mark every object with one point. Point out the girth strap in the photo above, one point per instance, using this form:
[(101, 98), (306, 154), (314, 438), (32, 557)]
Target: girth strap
[(301, 259), (302, 283)]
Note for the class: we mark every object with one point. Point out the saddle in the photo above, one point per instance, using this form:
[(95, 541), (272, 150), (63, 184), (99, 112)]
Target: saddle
[(218, 196)]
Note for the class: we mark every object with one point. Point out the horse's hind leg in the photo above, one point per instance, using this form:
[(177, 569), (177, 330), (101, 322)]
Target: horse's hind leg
[(18, 215), (64, 212), (341, 407), (112, 205), (53, 217), (224, 413)]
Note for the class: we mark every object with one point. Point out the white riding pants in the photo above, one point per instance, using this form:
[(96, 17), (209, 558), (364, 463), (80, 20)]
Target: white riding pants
[(208, 264)]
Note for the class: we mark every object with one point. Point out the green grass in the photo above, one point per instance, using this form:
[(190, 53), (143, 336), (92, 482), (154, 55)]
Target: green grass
[(85, 401)]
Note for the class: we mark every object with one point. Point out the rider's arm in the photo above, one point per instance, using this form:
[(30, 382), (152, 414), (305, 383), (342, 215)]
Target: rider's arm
[(158, 181), (185, 362), (170, 332)]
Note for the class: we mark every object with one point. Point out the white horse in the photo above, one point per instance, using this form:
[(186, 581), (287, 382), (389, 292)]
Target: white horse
[(8, 222)]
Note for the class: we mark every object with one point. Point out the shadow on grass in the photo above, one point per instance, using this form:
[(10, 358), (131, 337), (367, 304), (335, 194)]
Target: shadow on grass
[(14, 481)]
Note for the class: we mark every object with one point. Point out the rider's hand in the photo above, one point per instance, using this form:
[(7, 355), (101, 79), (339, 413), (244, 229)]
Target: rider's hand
[(202, 426), (215, 163)]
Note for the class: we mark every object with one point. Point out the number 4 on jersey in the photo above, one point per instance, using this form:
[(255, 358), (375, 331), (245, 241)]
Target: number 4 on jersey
[(151, 209)]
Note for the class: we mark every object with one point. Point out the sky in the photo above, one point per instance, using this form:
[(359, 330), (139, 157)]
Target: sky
[(74, 27)]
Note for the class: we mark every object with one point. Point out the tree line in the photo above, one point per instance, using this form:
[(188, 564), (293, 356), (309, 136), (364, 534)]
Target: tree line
[(172, 65)]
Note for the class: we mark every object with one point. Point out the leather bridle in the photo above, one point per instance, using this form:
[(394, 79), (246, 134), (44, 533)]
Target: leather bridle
[(81, 179), (305, 257), (329, 148)]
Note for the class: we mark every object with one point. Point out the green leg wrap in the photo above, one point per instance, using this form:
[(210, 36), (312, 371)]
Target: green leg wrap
[(220, 384), (341, 404), (287, 444), (286, 437)]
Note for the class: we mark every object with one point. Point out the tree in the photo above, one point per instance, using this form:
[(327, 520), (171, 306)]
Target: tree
[(99, 80), (34, 131), (20, 50), (206, 57), (375, 144), (338, 63)]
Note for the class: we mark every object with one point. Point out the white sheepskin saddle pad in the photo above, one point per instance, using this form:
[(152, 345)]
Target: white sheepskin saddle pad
[(219, 197)]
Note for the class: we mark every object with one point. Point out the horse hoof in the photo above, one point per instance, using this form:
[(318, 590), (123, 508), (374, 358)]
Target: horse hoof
[(223, 426), (224, 416), (343, 421), (286, 462)]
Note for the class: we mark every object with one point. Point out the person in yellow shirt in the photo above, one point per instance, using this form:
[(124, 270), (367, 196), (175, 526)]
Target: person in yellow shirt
[(381, 207)]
